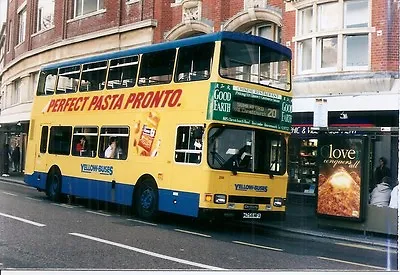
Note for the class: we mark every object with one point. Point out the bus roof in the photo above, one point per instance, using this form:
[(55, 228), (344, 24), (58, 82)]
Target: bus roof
[(206, 38)]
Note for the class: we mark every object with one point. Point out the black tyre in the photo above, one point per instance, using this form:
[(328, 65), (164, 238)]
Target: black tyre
[(53, 187), (146, 200)]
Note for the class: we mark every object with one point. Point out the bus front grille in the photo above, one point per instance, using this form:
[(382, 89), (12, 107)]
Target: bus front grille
[(254, 200)]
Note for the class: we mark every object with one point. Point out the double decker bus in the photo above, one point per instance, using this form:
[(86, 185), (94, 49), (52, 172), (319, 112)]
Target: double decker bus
[(191, 127)]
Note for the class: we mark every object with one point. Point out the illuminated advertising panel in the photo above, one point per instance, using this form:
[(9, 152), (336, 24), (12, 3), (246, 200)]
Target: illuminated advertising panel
[(340, 186)]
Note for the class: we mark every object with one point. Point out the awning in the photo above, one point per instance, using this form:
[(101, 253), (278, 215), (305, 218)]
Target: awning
[(14, 118)]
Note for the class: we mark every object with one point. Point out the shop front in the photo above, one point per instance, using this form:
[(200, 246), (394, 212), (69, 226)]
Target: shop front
[(13, 140), (373, 135)]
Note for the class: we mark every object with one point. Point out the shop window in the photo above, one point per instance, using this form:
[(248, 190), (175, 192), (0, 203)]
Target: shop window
[(93, 76), (43, 139), (68, 79), (122, 73), (60, 140), (114, 142), (157, 68), (189, 144), (84, 141), (194, 62)]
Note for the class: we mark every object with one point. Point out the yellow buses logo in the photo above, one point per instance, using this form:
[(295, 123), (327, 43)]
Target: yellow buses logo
[(157, 99)]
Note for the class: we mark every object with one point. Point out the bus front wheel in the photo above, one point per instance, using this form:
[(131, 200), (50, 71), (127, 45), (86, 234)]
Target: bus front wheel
[(53, 188), (146, 199)]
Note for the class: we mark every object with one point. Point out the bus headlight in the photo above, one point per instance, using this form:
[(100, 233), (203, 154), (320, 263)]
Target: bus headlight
[(208, 197), (278, 202), (219, 198)]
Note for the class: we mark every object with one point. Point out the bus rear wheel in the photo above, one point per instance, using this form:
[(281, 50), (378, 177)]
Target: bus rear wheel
[(146, 200), (53, 188)]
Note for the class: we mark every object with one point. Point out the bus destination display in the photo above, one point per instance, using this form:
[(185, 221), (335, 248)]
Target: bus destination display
[(255, 110)]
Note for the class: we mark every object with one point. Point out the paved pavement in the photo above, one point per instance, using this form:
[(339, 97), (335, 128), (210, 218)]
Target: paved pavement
[(301, 219)]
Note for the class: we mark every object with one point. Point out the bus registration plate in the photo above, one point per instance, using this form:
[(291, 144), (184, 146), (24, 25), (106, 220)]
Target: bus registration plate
[(251, 215)]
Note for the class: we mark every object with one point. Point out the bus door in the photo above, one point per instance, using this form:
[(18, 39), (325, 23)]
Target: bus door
[(40, 159)]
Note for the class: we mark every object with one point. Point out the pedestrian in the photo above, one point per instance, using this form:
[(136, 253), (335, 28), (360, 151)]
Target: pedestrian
[(6, 160), (16, 157), (380, 172), (380, 196)]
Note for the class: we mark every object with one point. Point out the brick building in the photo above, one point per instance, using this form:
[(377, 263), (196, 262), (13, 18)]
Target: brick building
[(346, 52)]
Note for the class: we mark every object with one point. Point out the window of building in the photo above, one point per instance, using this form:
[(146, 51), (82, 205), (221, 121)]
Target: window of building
[(83, 7), (328, 52), (189, 144), (84, 141), (157, 68), (194, 63), (60, 140), (21, 26), (47, 82), (45, 15), (268, 31), (93, 76), (356, 51), (114, 142), (305, 55), (328, 18), (68, 79), (10, 35), (122, 73), (16, 95), (34, 82), (305, 21), (356, 13), (43, 139), (340, 39)]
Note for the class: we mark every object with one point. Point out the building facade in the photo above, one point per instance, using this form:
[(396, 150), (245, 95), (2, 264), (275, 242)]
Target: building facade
[(345, 56)]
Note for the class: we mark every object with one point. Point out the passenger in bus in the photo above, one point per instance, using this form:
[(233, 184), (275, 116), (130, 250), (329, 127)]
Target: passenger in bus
[(81, 147), (113, 151)]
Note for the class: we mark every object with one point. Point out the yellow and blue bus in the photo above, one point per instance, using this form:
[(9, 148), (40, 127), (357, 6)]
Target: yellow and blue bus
[(191, 127)]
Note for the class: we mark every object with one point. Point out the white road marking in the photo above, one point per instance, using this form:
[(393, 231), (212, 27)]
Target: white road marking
[(193, 233), (148, 223), (33, 199), (153, 254), (98, 213), (381, 249), (258, 246), (22, 220), (63, 205), (352, 263), (11, 194)]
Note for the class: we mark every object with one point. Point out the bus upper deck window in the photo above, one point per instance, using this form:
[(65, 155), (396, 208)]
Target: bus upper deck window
[(93, 76), (47, 81), (68, 79), (157, 68), (122, 73), (194, 62)]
